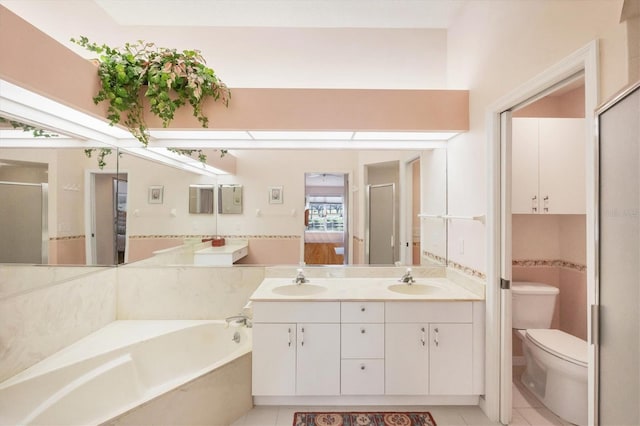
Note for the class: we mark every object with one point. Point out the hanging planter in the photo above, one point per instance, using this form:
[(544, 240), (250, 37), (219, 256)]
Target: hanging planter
[(167, 78)]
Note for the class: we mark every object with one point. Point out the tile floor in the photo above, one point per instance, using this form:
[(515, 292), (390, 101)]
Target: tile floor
[(527, 410), (443, 415)]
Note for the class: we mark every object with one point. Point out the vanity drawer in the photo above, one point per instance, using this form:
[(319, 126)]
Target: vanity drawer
[(362, 340), (239, 254), (362, 377), (359, 312)]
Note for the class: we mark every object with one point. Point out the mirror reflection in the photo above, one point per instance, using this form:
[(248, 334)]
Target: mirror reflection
[(323, 213), (201, 199)]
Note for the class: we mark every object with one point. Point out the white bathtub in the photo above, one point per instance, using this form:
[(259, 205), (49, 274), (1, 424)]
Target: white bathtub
[(120, 367)]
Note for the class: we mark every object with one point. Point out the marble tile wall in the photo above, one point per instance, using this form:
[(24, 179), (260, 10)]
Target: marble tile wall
[(19, 278), (203, 293), (40, 321)]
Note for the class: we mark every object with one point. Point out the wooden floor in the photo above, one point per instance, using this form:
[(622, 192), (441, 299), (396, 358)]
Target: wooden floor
[(322, 254)]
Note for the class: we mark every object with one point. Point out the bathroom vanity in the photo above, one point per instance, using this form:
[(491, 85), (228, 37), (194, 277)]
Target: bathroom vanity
[(367, 341), (225, 255)]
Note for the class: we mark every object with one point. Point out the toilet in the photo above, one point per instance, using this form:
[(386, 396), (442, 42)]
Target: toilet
[(556, 362)]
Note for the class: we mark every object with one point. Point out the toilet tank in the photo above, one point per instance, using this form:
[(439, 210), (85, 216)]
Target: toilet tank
[(533, 304)]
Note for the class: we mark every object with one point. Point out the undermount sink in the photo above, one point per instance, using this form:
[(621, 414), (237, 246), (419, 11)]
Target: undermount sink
[(413, 288), (299, 289)]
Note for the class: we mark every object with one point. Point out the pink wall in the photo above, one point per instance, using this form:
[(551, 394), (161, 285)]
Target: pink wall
[(67, 251), (567, 105)]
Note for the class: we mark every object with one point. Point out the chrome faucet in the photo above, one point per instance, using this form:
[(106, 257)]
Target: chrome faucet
[(300, 278), (407, 278), (239, 320)]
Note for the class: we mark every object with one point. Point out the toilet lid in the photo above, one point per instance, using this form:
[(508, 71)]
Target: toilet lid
[(561, 344)]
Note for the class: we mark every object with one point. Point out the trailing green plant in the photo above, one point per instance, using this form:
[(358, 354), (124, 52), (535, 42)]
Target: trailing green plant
[(201, 155), (37, 132), (172, 79), (102, 153)]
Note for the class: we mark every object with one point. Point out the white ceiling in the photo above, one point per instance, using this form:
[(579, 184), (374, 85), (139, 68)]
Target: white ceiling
[(241, 13), (285, 13)]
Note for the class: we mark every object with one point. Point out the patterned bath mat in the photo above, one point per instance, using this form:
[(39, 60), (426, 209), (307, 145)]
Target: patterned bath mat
[(363, 419)]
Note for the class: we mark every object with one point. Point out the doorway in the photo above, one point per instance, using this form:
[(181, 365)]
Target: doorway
[(326, 234), (106, 224), (498, 401), (548, 244)]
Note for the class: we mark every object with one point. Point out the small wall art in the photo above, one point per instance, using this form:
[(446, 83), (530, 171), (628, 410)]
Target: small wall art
[(156, 194), (275, 195)]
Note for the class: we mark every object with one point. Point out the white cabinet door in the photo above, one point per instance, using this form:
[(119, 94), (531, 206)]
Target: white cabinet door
[(406, 359), (524, 165), (562, 166), (362, 377), (318, 359), (451, 359), (274, 359)]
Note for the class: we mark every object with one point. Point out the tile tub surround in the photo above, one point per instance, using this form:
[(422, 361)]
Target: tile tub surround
[(184, 292), (19, 278), (38, 322)]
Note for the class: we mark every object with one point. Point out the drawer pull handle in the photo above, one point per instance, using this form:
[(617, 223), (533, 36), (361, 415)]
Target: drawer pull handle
[(435, 340), (362, 330), (422, 339), (302, 340), (362, 367)]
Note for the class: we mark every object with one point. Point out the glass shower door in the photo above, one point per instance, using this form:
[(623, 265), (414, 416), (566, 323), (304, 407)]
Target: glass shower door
[(618, 374)]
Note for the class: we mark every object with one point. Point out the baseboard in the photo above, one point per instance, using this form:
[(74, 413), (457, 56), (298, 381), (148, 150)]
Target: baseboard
[(366, 400)]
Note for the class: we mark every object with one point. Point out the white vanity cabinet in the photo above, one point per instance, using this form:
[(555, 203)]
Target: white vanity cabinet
[(362, 348), (296, 348), (548, 165), (429, 348)]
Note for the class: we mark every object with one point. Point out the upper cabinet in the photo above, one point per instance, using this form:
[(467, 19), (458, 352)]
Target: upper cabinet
[(548, 166)]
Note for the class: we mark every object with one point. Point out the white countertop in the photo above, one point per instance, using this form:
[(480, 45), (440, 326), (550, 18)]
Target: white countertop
[(225, 249), (360, 289)]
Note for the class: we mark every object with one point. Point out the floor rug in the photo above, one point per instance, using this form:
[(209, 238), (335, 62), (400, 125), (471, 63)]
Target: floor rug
[(364, 419)]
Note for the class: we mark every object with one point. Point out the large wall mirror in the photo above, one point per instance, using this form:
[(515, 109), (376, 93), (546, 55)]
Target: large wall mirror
[(126, 208)]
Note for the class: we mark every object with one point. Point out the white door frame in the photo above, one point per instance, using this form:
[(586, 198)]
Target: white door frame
[(406, 210), (584, 59), (89, 211)]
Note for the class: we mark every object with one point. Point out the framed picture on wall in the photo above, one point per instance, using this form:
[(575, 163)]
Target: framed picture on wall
[(275, 195), (156, 193)]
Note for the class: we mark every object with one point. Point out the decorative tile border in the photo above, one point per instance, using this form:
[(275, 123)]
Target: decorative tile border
[(254, 237), (549, 263), (454, 265), (466, 270), (71, 237)]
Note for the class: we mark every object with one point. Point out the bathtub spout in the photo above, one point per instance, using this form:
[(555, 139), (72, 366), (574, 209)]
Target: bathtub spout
[(239, 320)]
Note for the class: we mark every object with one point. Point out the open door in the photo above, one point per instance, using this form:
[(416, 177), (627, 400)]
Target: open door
[(381, 216), (505, 268), (615, 327)]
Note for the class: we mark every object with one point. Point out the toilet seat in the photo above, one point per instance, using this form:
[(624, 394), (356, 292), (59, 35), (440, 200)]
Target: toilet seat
[(561, 344)]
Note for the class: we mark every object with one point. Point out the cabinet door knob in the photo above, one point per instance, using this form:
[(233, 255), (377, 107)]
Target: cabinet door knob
[(362, 309), (362, 367), (362, 330)]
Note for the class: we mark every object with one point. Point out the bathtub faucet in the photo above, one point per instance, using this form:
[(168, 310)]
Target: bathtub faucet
[(407, 278), (239, 320)]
